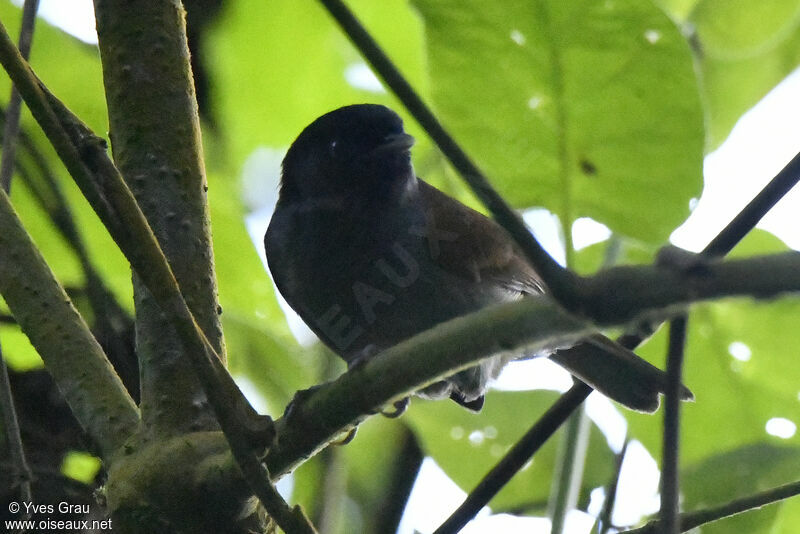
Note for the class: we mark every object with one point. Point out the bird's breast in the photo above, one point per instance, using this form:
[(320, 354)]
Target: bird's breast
[(367, 279)]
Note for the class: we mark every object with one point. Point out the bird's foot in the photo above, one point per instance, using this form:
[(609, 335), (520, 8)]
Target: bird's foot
[(299, 398), (400, 408), (349, 435)]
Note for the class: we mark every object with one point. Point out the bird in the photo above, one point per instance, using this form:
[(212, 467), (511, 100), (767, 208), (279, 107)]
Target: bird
[(368, 255)]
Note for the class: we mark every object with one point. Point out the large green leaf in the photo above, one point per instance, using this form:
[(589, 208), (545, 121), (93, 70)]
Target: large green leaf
[(467, 445), (587, 108), (278, 66), (744, 48), (741, 473)]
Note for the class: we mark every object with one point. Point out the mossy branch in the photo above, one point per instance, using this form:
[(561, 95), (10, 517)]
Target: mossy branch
[(155, 135), (84, 155), (624, 294), (70, 352)]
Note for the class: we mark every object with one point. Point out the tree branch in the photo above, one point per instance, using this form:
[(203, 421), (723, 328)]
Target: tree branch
[(670, 486), (72, 355), (80, 150), (319, 416), (145, 63), (626, 293), (22, 473), (516, 458), (734, 231), (691, 520)]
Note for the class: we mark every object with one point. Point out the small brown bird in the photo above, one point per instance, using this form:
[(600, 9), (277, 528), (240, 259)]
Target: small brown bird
[(369, 255)]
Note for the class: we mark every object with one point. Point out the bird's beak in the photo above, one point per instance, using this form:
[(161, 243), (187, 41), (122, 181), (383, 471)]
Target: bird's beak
[(395, 142)]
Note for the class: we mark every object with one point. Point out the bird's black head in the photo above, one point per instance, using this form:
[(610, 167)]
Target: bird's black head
[(360, 149)]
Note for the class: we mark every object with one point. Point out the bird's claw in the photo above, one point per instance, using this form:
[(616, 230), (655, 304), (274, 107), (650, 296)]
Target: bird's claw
[(299, 397), (400, 408), (351, 434)]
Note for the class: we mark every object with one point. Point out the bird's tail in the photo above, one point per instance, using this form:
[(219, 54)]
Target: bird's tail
[(616, 372)]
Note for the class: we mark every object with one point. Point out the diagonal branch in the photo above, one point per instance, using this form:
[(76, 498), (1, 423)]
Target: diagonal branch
[(22, 473), (562, 283), (734, 231), (692, 520), (317, 417), (516, 458), (84, 376)]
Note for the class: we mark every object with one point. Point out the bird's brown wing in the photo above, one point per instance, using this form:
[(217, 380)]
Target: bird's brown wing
[(468, 244), (476, 248)]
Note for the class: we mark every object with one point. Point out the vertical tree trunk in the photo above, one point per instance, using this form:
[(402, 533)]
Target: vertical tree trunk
[(155, 137)]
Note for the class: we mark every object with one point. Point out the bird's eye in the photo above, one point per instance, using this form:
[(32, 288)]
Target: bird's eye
[(332, 148)]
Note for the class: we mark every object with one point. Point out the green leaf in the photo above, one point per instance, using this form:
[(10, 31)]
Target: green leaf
[(677, 9), (18, 352), (744, 48), (467, 445), (276, 69), (788, 517), (740, 473), (80, 466), (744, 28), (586, 108)]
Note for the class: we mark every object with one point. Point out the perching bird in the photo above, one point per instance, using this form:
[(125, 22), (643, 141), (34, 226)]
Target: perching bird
[(369, 255)]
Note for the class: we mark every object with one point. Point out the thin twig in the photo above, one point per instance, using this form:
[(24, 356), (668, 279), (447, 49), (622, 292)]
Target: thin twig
[(11, 126), (670, 485), (22, 475), (733, 233), (755, 210), (603, 523), (569, 469), (562, 283), (690, 520), (19, 466), (516, 458)]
